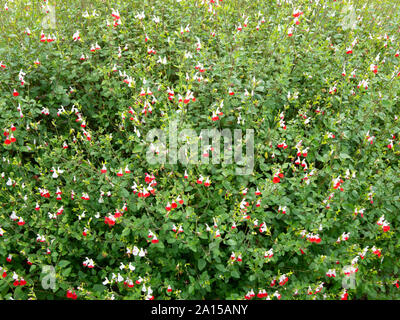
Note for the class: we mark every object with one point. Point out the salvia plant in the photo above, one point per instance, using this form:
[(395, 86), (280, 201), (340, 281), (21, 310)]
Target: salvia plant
[(95, 206)]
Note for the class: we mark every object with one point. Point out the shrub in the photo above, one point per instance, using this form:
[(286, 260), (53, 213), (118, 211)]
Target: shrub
[(81, 92)]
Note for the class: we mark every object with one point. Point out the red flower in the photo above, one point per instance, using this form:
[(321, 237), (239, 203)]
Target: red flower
[(276, 180), (71, 295)]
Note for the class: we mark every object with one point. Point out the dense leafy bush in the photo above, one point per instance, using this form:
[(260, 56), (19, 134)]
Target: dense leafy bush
[(318, 82)]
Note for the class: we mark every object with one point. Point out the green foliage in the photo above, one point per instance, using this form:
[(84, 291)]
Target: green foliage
[(294, 77)]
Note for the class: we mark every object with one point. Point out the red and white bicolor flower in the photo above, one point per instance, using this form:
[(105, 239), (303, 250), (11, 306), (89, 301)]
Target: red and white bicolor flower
[(282, 209), (344, 295), (376, 251), (85, 196), (3, 272), (337, 183), (249, 295), (313, 238), (277, 177), (88, 263), (382, 222), (110, 220), (262, 293), (85, 232), (363, 253), (198, 44), (189, 96), (277, 295), (282, 145), (21, 76), (179, 200), (283, 279), (18, 281), (151, 50), (359, 211), (348, 270), (282, 124), (331, 273), (214, 116), (21, 221), (297, 13), (60, 211), (343, 237), (369, 138), (76, 36), (155, 239), (244, 204), (363, 83), (269, 254), (115, 14), (319, 288)]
